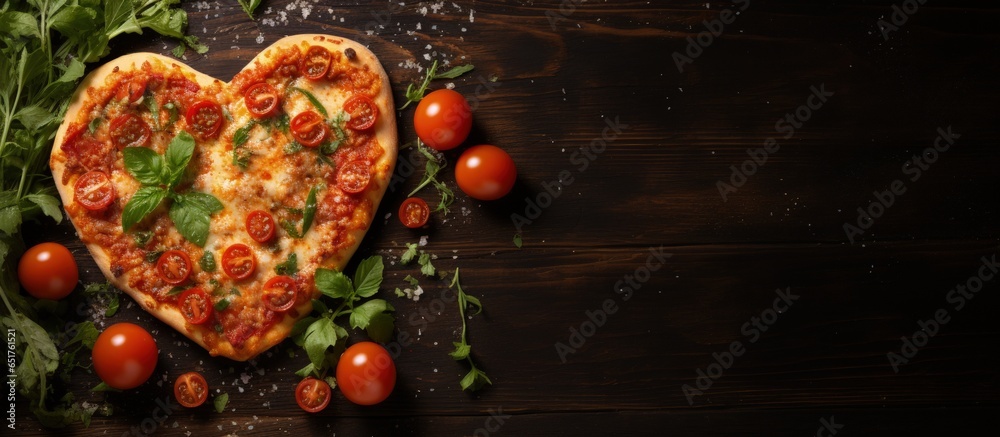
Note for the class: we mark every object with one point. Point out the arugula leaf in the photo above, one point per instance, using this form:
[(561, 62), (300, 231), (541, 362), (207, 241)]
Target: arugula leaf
[(415, 94)]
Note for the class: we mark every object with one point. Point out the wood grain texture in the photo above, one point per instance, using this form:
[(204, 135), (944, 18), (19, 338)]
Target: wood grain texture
[(655, 186)]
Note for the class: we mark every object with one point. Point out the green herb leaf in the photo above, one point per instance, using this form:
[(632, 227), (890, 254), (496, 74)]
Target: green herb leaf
[(207, 262), (112, 308), (319, 336), (289, 267), (102, 387), (222, 305), (517, 240), (412, 281), (141, 204), (474, 380), (290, 229), (425, 264), (242, 135), (249, 6), (310, 211), (368, 276), (47, 203), (205, 201), (220, 401), (409, 254), (312, 99), (415, 94), (380, 327), (154, 109), (177, 156), (333, 284), (145, 165), (191, 220), (92, 126), (461, 351), (362, 314), (142, 238)]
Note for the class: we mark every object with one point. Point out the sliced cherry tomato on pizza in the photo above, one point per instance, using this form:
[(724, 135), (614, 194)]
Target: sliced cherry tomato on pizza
[(280, 293), (205, 118), (125, 356), (354, 177), (134, 88), (443, 119), (48, 271), (238, 261), (414, 212), (485, 172), (262, 100), (191, 389), (309, 129), (316, 63), (313, 395), (366, 373), (260, 226), (195, 305), (128, 130), (174, 267), (362, 110), (94, 190)]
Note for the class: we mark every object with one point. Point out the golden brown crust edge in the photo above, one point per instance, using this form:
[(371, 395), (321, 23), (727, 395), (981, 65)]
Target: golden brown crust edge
[(386, 134)]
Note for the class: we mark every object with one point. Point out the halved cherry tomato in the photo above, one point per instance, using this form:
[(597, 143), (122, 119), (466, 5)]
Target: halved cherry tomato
[(414, 212), (48, 271), (366, 373), (313, 395), (133, 89), (315, 63), (280, 293), (485, 172), (309, 129), (443, 119), (354, 177), (260, 226), (238, 261), (94, 190), (128, 130), (191, 389), (205, 118), (125, 356), (195, 305), (174, 267), (262, 100), (362, 110)]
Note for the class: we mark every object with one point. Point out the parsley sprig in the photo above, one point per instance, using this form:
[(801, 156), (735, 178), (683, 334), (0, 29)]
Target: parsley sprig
[(414, 94), (476, 378), (249, 6), (160, 175), (322, 337), (434, 166)]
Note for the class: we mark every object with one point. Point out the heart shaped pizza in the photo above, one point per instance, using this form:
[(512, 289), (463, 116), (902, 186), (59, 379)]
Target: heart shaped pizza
[(212, 204)]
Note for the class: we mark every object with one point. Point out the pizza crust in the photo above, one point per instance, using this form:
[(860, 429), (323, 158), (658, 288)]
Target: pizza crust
[(386, 135)]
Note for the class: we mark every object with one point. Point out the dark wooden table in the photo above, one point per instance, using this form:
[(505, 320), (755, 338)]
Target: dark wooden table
[(696, 288)]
